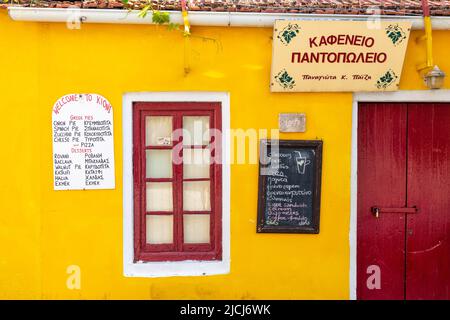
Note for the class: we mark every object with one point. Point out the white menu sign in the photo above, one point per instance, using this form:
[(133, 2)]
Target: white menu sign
[(83, 144)]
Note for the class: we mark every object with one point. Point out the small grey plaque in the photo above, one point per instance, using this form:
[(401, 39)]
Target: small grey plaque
[(292, 122)]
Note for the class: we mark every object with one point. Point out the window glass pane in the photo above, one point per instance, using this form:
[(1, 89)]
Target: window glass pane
[(159, 196), (158, 131), (196, 196), (159, 163), (196, 228), (196, 163), (159, 229), (196, 130)]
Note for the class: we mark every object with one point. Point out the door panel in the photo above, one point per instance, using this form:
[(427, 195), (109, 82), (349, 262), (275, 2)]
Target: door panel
[(428, 187), (381, 181)]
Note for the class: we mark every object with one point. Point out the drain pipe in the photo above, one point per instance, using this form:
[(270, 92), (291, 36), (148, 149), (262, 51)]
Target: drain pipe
[(187, 40), (432, 75), (201, 18), (427, 37), (184, 13)]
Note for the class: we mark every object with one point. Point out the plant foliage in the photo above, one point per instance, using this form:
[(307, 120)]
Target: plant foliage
[(158, 17)]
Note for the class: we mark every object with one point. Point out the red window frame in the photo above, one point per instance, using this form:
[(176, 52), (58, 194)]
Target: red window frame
[(177, 251)]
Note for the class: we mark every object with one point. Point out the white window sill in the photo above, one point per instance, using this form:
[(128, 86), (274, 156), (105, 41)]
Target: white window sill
[(176, 268)]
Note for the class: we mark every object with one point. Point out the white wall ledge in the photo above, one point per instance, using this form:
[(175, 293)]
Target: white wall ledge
[(199, 18)]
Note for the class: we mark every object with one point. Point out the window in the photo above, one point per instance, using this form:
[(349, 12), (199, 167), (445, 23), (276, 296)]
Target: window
[(177, 181)]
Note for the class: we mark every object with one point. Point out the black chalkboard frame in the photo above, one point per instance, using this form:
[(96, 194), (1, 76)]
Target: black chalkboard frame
[(261, 226)]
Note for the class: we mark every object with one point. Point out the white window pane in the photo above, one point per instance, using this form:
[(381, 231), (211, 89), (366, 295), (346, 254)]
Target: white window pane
[(196, 228), (196, 196), (158, 131), (159, 196), (159, 163), (196, 163), (196, 130), (159, 229)]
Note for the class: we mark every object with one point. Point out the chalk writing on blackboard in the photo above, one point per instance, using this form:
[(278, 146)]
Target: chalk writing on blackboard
[(302, 162), (289, 186)]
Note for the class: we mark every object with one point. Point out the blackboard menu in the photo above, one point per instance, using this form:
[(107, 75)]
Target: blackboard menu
[(289, 186)]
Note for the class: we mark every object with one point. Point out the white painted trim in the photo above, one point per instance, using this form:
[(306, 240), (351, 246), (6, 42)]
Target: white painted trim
[(353, 197), (397, 96), (175, 268), (200, 18)]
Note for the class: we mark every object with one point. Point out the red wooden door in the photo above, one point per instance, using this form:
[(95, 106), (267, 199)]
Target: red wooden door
[(403, 162), (428, 254), (381, 181)]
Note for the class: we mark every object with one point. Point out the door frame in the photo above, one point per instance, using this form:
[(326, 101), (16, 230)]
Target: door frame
[(442, 95)]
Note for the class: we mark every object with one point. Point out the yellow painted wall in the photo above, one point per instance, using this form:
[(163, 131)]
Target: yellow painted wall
[(43, 231)]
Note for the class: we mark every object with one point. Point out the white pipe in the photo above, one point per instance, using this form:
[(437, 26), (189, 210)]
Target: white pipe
[(198, 18)]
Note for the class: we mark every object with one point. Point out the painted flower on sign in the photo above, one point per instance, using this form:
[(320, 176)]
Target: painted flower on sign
[(285, 80), (288, 33), (395, 33), (386, 80)]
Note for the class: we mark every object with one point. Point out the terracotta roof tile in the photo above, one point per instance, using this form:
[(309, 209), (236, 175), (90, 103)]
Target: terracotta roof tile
[(386, 7)]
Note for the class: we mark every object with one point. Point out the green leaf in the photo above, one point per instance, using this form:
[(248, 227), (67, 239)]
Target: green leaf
[(173, 26), (160, 17), (144, 11), (125, 1)]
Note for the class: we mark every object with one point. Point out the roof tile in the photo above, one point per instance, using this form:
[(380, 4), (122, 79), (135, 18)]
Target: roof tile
[(386, 7)]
